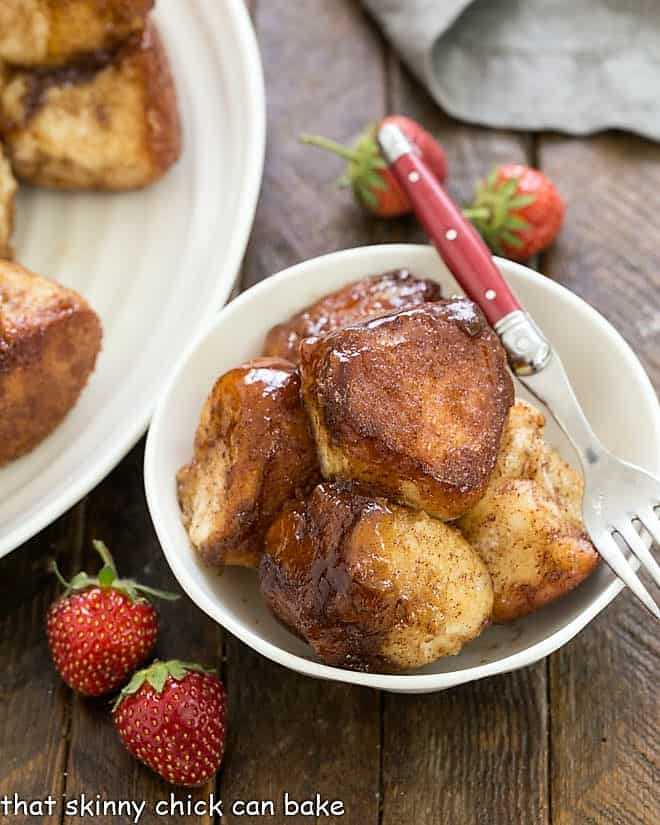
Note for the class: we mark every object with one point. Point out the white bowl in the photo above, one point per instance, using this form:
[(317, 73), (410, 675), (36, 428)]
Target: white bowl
[(608, 379)]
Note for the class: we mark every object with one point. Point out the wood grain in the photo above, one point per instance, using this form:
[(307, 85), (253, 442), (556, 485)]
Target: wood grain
[(474, 754), (292, 734), (604, 685), (34, 703), (324, 66), (465, 755), (609, 249), (98, 764)]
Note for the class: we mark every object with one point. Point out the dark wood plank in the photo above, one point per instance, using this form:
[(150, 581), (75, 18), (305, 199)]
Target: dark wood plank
[(605, 723), (603, 687), (324, 73), (98, 764), (302, 736), (608, 251), (474, 754), (477, 753), (34, 703)]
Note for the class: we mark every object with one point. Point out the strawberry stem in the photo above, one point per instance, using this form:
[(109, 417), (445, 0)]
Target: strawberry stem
[(330, 146), (102, 549), (107, 579), (52, 566)]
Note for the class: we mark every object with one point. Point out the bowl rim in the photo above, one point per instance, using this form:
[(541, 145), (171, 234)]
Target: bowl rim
[(411, 682)]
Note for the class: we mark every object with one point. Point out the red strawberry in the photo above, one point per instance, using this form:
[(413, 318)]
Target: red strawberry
[(374, 186), (171, 717), (517, 210), (429, 148), (101, 629)]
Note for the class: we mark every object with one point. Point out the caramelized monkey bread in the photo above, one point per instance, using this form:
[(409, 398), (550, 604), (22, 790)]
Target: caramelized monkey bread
[(528, 527), (108, 122), (371, 585), (253, 452), (49, 340), (7, 196), (54, 32), (367, 298), (411, 405)]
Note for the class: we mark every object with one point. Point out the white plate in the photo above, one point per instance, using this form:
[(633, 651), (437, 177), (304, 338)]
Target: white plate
[(608, 379), (154, 264)]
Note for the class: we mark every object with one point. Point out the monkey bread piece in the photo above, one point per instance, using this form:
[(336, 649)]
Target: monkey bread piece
[(54, 32), (522, 442), (411, 405), (524, 454), (532, 547), (7, 196), (367, 298), (105, 123), (372, 585), (253, 452), (528, 527), (49, 340)]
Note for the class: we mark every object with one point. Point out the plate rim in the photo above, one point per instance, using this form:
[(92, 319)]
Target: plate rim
[(247, 52), (397, 683)]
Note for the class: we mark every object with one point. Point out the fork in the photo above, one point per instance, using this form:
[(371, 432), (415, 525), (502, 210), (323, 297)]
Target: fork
[(620, 499)]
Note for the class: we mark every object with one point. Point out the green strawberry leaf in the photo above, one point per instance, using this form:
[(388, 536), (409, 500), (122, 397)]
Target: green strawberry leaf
[(507, 188), (521, 200), (80, 581), (191, 666), (374, 181), (151, 591), (511, 239), (496, 211), (364, 194), (177, 669), (157, 676), (512, 222), (136, 682)]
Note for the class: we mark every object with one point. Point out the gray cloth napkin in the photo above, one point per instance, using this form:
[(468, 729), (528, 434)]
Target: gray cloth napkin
[(577, 66)]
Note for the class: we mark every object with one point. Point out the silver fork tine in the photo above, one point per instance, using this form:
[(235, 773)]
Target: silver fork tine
[(636, 543), (651, 523), (609, 550)]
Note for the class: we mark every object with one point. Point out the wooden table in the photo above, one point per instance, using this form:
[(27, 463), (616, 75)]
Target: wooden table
[(572, 739)]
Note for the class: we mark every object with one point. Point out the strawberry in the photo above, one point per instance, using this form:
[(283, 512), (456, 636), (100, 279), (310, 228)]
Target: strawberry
[(171, 716), (373, 185), (429, 148), (101, 629), (517, 210)]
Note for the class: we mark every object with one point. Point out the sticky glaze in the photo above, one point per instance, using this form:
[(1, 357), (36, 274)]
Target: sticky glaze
[(357, 301), (253, 452), (411, 404)]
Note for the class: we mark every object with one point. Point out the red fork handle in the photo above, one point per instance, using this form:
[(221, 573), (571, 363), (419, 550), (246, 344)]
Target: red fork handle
[(458, 242)]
